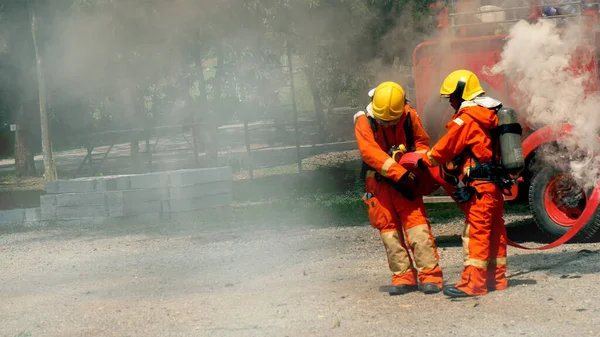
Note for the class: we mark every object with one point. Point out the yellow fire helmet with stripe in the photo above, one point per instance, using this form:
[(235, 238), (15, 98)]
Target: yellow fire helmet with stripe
[(462, 83), (388, 102)]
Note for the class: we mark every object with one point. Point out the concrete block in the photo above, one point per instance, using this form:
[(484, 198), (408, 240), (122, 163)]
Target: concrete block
[(147, 194), (114, 203), (186, 205), (199, 190), (48, 212), (190, 216), (118, 183), (80, 212), (144, 197), (200, 176), (134, 208), (80, 199), (48, 200), (149, 180), (113, 197), (115, 211), (100, 185), (166, 206), (139, 218), (132, 202), (437, 199), (12, 216), (33, 214), (82, 222), (70, 186), (52, 187), (80, 185), (36, 224), (165, 216)]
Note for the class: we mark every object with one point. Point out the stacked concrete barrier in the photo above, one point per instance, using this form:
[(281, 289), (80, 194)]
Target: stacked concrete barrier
[(172, 195), (27, 215)]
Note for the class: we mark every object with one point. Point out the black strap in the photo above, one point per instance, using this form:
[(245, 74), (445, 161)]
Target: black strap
[(410, 140), (509, 128), (492, 172), (373, 124), (409, 132), (366, 167), (460, 89)]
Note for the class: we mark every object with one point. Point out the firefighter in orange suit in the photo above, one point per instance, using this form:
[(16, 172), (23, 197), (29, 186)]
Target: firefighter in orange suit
[(469, 147), (393, 209)]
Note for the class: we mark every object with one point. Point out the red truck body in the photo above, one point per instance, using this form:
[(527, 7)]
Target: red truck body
[(457, 49)]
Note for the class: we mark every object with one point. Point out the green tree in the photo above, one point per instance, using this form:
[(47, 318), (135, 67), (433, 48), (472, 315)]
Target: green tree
[(18, 82)]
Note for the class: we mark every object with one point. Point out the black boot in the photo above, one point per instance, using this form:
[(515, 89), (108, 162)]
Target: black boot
[(431, 288), (399, 290), (455, 293)]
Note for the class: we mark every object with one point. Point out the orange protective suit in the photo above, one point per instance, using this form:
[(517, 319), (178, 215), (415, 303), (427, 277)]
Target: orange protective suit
[(484, 236), (389, 212)]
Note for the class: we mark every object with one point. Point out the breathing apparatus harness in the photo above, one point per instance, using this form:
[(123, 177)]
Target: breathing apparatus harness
[(410, 147), (493, 172)]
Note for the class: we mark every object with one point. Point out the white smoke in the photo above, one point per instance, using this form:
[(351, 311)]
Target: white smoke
[(536, 59)]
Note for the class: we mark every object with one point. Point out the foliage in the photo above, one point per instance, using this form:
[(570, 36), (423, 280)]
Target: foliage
[(118, 64)]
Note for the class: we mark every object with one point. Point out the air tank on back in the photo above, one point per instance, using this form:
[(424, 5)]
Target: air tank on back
[(509, 133)]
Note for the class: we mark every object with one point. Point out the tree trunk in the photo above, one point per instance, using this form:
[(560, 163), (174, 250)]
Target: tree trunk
[(135, 155), (212, 147), (218, 80), (49, 166), (24, 163), (319, 107), (294, 110), (131, 110)]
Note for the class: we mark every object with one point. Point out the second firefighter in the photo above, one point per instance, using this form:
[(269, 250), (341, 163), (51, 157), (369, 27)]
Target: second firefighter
[(389, 128)]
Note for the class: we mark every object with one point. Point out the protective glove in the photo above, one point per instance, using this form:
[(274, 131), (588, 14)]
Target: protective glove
[(463, 194), (421, 165), (405, 191), (403, 186)]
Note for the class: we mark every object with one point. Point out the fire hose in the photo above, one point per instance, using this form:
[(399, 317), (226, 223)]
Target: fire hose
[(588, 212), (411, 159)]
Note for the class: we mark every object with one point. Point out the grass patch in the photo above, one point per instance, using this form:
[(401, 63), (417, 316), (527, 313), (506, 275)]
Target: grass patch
[(8, 176), (24, 334), (9, 182), (345, 209), (326, 196), (315, 197)]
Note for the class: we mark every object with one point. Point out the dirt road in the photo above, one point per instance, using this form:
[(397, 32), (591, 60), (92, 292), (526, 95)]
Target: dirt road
[(192, 280)]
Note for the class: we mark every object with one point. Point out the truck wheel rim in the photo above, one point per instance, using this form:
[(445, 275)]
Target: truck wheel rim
[(564, 200)]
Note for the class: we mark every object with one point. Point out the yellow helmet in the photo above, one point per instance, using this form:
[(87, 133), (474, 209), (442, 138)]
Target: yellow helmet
[(462, 83), (388, 102)]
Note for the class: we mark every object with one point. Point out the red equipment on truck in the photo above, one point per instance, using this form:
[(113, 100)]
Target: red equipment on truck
[(473, 35)]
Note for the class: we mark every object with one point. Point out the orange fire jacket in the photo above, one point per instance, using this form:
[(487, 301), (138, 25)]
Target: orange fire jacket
[(374, 147), (470, 128)]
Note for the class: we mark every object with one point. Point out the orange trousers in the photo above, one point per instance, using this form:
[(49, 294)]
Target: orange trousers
[(484, 242), (404, 230)]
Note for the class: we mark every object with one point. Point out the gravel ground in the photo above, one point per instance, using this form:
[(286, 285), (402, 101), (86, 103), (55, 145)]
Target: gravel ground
[(192, 280)]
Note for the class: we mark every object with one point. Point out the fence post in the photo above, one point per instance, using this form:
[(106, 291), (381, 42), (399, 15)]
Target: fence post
[(294, 110), (195, 142), (248, 149)]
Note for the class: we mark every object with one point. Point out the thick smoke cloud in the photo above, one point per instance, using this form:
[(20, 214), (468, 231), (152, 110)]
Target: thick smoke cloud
[(537, 59)]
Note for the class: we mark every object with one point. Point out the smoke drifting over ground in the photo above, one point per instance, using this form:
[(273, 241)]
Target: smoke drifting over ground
[(536, 60)]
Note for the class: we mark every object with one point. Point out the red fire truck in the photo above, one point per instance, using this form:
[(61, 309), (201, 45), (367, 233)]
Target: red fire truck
[(467, 41)]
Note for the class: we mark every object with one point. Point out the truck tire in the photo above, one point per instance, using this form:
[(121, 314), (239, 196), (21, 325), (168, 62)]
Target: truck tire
[(556, 203)]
